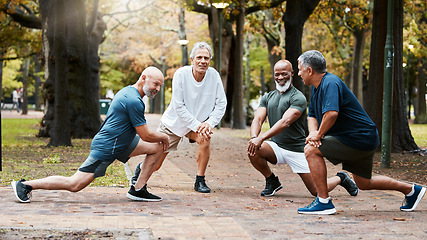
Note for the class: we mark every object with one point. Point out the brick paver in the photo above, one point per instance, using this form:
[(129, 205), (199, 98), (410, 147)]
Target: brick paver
[(234, 209)]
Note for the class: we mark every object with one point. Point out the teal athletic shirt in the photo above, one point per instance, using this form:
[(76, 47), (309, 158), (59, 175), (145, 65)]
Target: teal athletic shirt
[(118, 130), (293, 137), (353, 126)]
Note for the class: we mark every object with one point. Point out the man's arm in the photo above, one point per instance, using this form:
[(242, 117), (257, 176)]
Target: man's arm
[(149, 136), (259, 118), (290, 116), (317, 133)]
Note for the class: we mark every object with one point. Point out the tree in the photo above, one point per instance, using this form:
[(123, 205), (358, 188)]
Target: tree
[(402, 139), (297, 13), (82, 66)]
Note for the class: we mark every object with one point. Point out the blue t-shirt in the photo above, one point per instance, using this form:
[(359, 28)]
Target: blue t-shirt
[(118, 130), (353, 126)]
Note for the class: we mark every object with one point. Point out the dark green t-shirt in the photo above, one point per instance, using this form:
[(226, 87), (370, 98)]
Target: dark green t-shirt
[(293, 137)]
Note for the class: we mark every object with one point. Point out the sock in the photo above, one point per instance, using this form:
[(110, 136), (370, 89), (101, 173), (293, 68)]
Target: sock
[(198, 178), (324, 200), (412, 192), (272, 176), (341, 177)]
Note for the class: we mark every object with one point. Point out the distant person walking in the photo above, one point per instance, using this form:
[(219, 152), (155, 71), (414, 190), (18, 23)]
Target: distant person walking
[(16, 97), (123, 134), (341, 131)]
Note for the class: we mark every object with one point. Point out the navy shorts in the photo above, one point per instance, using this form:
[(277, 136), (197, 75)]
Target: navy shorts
[(98, 167), (353, 160)]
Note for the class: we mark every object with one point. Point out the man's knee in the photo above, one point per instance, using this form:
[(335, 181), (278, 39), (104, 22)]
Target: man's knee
[(310, 151)]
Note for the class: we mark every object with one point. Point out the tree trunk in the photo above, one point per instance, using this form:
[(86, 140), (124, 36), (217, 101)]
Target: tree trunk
[(374, 98), (83, 63), (273, 57), (420, 107), (297, 12), (238, 113), (402, 139), (61, 124), (357, 67)]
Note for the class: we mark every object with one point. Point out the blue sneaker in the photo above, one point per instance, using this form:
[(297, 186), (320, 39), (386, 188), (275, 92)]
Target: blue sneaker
[(316, 207), (412, 201)]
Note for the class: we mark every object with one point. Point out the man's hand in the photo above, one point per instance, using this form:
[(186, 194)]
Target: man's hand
[(205, 131), (165, 142), (253, 145), (314, 139)]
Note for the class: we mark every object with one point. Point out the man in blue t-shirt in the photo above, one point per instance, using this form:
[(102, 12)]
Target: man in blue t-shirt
[(123, 134), (341, 131)]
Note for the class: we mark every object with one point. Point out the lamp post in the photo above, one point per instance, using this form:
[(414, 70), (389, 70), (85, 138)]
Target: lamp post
[(387, 90), (408, 93), (183, 43), (220, 6)]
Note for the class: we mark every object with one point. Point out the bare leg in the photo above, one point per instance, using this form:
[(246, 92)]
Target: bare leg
[(154, 152), (74, 183), (161, 160), (203, 153), (260, 160), (382, 183), (309, 183), (318, 170)]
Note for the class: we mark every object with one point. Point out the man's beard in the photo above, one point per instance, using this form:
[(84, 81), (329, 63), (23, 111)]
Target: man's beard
[(285, 87), (148, 93)]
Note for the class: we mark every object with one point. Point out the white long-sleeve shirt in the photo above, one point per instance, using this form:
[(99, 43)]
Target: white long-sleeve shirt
[(194, 102)]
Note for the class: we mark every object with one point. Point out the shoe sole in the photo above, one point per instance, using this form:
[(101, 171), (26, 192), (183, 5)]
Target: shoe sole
[(324, 212), (274, 191), (142, 199), (420, 196), (16, 192)]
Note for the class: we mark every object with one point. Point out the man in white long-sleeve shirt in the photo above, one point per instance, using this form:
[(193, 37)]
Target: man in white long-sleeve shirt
[(198, 104)]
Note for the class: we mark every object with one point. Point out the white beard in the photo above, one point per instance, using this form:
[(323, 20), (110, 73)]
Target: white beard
[(285, 87), (147, 91)]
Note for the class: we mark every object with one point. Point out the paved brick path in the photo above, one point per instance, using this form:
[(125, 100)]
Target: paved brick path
[(234, 210)]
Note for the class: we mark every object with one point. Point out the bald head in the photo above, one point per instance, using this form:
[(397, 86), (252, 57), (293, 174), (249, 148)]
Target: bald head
[(283, 64), (149, 82), (153, 72)]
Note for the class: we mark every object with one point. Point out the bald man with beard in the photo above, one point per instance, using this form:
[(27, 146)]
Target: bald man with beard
[(285, 107), (123, 134)]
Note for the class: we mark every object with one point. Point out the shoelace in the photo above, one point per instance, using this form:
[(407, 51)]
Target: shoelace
[(312, 203)]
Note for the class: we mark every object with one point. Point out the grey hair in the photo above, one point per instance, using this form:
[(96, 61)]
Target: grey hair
[(199, 45), (313, 59)]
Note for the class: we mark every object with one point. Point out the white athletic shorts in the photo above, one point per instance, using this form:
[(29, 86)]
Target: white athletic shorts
[(296, 160)]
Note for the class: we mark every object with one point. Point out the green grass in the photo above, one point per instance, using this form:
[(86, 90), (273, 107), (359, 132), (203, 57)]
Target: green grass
[(26, 156), (419, 132), (19, 131)]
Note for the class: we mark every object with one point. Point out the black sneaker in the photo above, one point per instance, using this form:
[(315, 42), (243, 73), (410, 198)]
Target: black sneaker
[(348, 183), (142, 195), (200, 185), (22, 191), (136, 174), (272, 185)]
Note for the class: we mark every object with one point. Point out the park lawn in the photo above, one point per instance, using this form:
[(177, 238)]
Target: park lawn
[(26, 156)]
